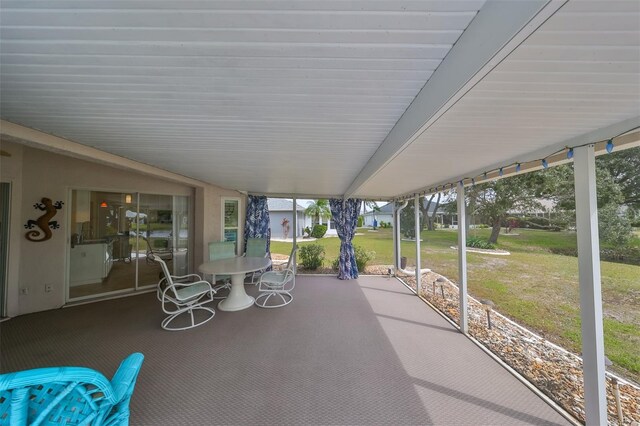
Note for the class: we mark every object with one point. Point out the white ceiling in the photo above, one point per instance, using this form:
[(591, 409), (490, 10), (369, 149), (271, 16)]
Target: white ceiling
[(298, 96), (580, 71)]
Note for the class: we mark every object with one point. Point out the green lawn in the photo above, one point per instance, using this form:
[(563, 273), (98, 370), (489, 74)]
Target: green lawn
[(532, 286)]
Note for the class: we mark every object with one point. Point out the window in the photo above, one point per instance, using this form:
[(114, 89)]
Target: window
[(231, 220)]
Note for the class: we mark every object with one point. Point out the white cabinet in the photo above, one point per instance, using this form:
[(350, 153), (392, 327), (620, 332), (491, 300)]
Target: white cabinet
[(90, 263)]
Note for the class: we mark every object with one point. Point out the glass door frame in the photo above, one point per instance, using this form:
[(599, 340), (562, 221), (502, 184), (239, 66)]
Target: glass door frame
[(136, 287), (69, 202), (5, 241)]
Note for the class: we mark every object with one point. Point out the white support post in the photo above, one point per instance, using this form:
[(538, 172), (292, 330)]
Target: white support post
[(462, 259), (416, 205), (396, 241), (590, 286), (295, 229)]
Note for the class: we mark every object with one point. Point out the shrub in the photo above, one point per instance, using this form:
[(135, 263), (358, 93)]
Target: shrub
[(625, 254), (362, 258), (477, 242), (360, 221), (311, 256), (318, 231), (336, 263), (614, 228)]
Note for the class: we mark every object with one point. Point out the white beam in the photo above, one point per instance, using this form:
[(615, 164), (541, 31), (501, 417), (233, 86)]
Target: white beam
[(498, 28), (624, 141), (462, 259), (416, 206), (590, 286)]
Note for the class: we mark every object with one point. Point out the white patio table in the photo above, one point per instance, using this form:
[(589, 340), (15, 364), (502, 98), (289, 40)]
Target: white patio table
[(237, 267)]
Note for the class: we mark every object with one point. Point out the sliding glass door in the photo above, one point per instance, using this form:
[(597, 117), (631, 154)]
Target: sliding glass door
[(163, 232), (5, 200), (113, 235)]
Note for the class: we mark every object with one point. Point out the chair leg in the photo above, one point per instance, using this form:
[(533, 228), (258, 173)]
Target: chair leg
[(165, 324), (225, 286), (263, 298)]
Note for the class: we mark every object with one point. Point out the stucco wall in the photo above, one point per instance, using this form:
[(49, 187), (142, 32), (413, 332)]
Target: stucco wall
[(37, 173)]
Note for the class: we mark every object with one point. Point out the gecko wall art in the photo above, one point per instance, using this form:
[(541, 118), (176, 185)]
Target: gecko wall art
[(44, 222)]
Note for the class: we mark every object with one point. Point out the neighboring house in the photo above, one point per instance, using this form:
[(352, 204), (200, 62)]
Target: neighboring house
[(545, 209), (280, 208), (384, 215)]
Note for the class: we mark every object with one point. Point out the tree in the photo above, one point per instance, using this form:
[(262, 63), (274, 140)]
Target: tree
[(494, 199), (613, 227), (424, 208), (558, 185), (318, 210), (624, 168), (408, 220)]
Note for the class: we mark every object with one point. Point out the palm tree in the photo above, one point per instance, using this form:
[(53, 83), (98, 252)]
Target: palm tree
[(318, 209)]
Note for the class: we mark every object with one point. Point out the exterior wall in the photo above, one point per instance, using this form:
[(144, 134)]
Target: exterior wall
[(368, 218), (275, 220), (36, 173)]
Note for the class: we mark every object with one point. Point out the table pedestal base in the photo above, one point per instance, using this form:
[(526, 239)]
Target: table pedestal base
[(238, 299)]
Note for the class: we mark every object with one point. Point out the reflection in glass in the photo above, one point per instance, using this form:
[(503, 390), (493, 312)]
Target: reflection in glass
[(100, 253), (163, 230), (113, 234)]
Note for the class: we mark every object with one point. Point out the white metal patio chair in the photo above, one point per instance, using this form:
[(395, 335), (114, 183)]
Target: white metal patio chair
[(186, 297), (276, 286), (256, 247), (221, 250), (161, 250)]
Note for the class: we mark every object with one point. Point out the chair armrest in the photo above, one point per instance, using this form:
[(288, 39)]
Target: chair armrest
[(184, 277), (55, 388), (175, 285), (277, 276), (125, 378), (39, 376)]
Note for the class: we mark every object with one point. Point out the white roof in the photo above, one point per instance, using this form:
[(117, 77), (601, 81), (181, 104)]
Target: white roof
[(282, 205), (369, 98)]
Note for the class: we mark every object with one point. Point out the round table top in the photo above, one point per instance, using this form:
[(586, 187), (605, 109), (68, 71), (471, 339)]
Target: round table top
[(234, 265)]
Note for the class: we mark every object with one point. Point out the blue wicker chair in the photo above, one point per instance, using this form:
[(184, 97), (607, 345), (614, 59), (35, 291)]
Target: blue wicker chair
[(68, 395)]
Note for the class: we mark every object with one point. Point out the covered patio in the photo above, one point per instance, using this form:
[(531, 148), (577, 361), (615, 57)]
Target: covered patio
[(366, 351), (186, 110)]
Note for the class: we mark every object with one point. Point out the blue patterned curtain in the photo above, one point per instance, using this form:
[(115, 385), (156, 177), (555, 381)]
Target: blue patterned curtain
[(257, 220), (345, 218)]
